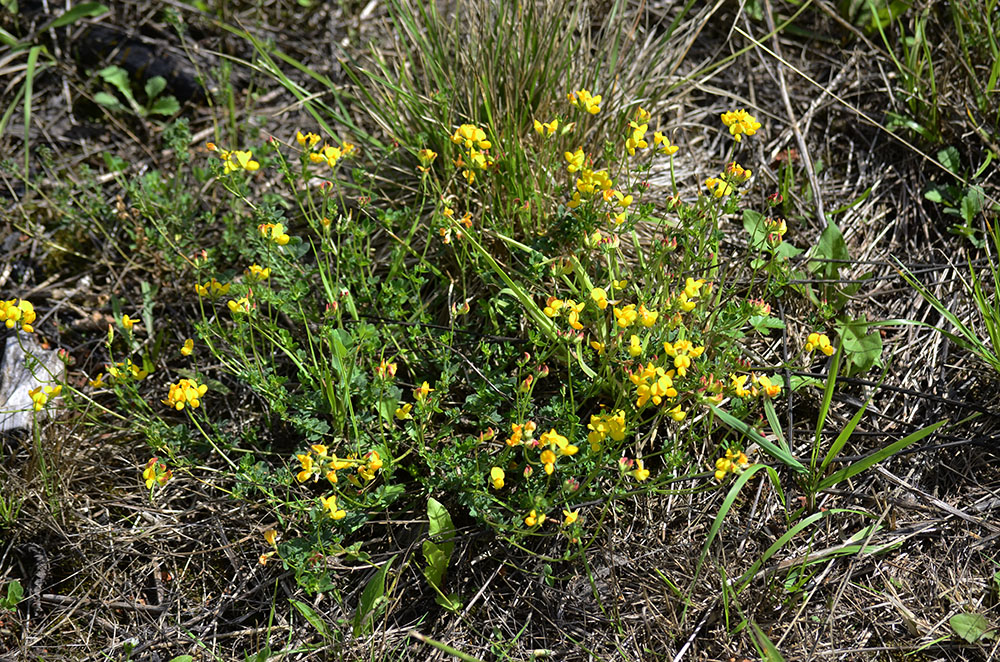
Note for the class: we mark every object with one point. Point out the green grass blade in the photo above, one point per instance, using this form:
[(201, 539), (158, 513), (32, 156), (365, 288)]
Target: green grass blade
[(772, 419), (876, 457), (776, 452), (29, 81), (824, 408)]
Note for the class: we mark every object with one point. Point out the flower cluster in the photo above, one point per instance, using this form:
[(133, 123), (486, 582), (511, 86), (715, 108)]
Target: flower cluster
[(318, 461), (329, 154), (257, 273), (330, 506), (759, 384), (156, 473), (734, 462), (662, 143), (212, 289), (186, 392), (556, 444), (585, 100), (126, 370), (687, 300), (554, 307), (41, 395), (682, 352), (475, 156), (819, 341), (740, 122), (652, 383), (234, 160), (18, 312), (546, 128), (274, 232), (605, 425), (521, 433), (426, 158)]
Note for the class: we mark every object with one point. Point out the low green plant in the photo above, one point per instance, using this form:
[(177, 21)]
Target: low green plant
[(156, 102), (14, 594)]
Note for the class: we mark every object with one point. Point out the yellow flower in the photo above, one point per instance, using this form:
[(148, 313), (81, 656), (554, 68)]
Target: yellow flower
[(470, 136), (625, 316), (604, 425), (534, 518), (156, 472), (571, 516), (765, 385), (271, 536), (96, 382), (636, 139), (677, 413), (718, 187), (821, 342), (641, 116), (640, 473), (546, 128), (126, 370), (128, 323), (403, 412), (647, 317), (735, 462), (738, 385), (212, 289), (40, 395), (634, 346), (497, 475), (17, 312), (623, 200), (600, 297), (308, 140), (257, 273), (598, 347), (740, 122), (275, 232), (575, 159), (188, 347), (664, 143), (584, 99), (241, 307), (330, 506), (574, 313), (548, 459), (237, 160), (420, 394), (186, 392), (386, 369)]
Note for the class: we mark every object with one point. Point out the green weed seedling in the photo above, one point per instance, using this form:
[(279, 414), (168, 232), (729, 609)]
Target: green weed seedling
[(156, 104), (14, 595), (437, 555)]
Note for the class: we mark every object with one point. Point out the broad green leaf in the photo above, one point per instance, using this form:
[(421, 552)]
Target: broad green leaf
[(14, 594), (108, 100), (753, 222), (118, 77), (312, 616), (182, 658), (831, 246), (165, 106), (972, 627), (863, 349), (972, 203), (438, 555), (371, 600), (82, 10), (950, 159), (154, 86)]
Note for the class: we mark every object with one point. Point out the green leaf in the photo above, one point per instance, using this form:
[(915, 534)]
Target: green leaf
[(438, 555), (108, 100), (118, 77), (182, 658), (371, 599), (972, 627), (876, 457), (972, 203), (777, 453), (753, 222), (767, 648), (864, 349), (154, 86), (831, 246), (312, 616), (14, 594), (81, 10), (934, 195), (165, 106), (950, 159)]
